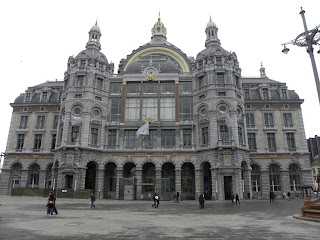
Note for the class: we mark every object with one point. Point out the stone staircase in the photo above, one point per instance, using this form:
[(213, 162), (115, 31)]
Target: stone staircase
[(310, 211)]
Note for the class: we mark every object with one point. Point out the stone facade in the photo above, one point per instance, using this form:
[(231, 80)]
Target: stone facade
[(211, 130)]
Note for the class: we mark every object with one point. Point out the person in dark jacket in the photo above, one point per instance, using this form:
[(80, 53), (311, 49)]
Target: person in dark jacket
[(237, 199), (50, 205), (201, 201), (92, 197), (156, 200), (232, 197), (177, 197), (54, 198)]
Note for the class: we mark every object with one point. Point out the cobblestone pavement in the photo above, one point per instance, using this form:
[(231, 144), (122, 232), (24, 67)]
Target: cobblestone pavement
[(25, 218)]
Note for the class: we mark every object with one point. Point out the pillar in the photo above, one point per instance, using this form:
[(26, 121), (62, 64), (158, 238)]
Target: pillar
[(158, 181), (198, 182), (139, 181), (99, 184), (119, 175), (42, 178), (178, 180), (214, 184)]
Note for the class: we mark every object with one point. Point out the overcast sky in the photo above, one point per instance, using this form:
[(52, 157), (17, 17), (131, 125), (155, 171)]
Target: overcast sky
[(37, 37)]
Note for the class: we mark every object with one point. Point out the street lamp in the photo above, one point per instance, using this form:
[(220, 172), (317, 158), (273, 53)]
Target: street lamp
[(307, 39), (1, 155)]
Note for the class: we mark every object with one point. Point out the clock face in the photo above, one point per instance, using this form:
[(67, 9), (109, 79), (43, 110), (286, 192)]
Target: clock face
[(150, 72)]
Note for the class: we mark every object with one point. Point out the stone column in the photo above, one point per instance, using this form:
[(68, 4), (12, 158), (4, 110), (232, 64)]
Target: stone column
[(214, 184), (220, 186), (119, 175), (99, 191), (285, 182), (198, 173), (139, 181), (82, 176), (265, 184), (178, 180), (158, 181), (42, 179)]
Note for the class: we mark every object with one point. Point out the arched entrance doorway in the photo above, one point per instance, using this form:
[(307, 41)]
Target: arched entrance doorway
[(110, 181), (90, 182), (169, 173), (127, 184), (188, 181), (207, 181), (148, 180)]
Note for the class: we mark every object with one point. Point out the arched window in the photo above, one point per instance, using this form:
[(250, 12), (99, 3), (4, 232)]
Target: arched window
[(169, 173), (274, 177), (16, 175), (90, 181), (188, 181), (255, 178), (34, 175), (295, 177)]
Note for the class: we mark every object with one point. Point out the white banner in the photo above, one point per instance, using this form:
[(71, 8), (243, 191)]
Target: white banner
[(143, 130)]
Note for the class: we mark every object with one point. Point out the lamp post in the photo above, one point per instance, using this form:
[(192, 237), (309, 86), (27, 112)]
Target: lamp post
[(307, 39), (1, 155)]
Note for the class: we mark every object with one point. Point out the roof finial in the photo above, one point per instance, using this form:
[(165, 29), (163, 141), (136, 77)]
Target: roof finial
[(210, 19), (97, 21), (159, 14)]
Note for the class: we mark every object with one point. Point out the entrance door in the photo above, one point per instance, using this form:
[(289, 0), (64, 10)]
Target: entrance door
[(227, 187), (69, 181)]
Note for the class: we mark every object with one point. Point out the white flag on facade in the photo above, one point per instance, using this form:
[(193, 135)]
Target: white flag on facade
[(75, 120), (229, 121), (143, 130)]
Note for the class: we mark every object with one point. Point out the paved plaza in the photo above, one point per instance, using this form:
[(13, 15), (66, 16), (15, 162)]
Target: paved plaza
[(25, 218)]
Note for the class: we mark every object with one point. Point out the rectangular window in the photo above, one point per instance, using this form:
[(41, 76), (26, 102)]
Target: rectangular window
[(291, 141), (187, 138), (150, 108), (268, 120), (201, 82), (55, 121), (185, 87), (204, 134), (112, 137), (23, 122), (186, 108), (75, 133), (53, 142), (132, 109), (40, 122), (287, 120), (167, 109), (167, 88), (271, 138), (133, 88), (94, 136), (20, 141), (130, 139), (150, 141), (265, 93), (37, 141), (240, 135), (222, 94), (116, 88), (284, 93), (247, 93), (250, 120), (220, 79), (150, 88), (78, 96), (224, 133), (97, 98), (252, 141), (115, 109), (82, 64), (99, 83), (219, 61), (80, 81), (168, 138), (28, 97), (44, 96)]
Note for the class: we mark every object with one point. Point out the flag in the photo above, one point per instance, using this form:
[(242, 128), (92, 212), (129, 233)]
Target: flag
[(143, 130), (75, 120), (229, 121)]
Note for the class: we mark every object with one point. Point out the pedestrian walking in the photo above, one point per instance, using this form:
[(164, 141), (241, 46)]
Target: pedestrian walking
[(177, 197), (156, 200), (55, 199), (174, 197), (248, 195), (237, 199), (201, 201), (289, 196), (271, 194), (93, 199), (50, 205), (232, 198)]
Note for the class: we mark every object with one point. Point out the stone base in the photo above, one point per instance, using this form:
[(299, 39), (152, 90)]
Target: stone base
[(299, 216)]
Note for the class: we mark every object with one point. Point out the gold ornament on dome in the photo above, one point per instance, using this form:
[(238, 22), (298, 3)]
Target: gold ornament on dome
[(150, 75)]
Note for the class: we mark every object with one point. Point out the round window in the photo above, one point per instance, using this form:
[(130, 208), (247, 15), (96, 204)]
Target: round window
[(222, 108), (203, 111), (96, 113), (77, 110)]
